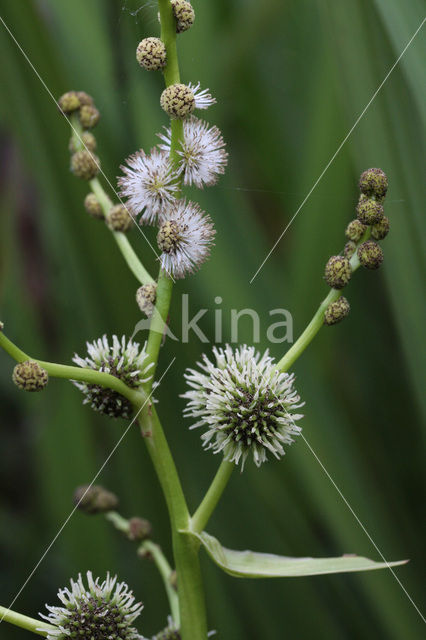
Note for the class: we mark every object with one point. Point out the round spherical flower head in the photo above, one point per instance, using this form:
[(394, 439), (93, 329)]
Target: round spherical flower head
[(94, 499), (370, 254), (89, 116), (373, 182), (87, 139), (149, 184), (30, 376), (119, 218), (93, 207), (202, 155), (381, 229), (151, 54), (355, 230), (180, 100), (99, 611), (349, 250), (145, 297), (124, 360), (184, 14), (245, 403), (369, 211), (184, 238), (69, 102), (85, 165), (336, 311), (338, 272)]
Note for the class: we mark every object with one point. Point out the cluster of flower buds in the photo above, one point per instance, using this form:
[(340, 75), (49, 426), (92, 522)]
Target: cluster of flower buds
[(362, 235), (94, 499), (152, 182)]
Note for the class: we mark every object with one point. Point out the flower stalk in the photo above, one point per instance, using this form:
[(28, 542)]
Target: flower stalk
[(25, 622)]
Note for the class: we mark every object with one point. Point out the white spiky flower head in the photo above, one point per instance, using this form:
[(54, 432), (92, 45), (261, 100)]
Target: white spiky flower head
[(149, 183), (184, 238), (123, 359), (202, 155), (245, 403), (98, 611)]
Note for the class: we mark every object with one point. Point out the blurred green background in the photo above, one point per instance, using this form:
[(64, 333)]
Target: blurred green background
[(290, 78)]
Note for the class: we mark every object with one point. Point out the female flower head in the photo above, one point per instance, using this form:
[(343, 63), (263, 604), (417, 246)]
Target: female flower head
[(149, 184), (99, 611), (202, 152), (184, 238), (179, 100), (245, 403), (124, 360)]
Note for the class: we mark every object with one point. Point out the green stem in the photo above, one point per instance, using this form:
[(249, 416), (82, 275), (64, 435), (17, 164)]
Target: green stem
[(166, 572), (158, 321), (318, 320), (25, 622), (75, 373), (120, 523), (212, 497), (185, 551)]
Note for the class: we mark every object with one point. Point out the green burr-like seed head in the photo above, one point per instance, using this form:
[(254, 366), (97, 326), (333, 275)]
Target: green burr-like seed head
[(381, 229), (373, 182), (184, 14), (370, 254), (94, 499), (145, 297), (336, 311), (369, 211), (30, 376), (119, 219), (88, 140), (92, 206), (338, 272), (69, 102), (151, 54), (178, 101), (355, 230), (89, 116), (85, 165)]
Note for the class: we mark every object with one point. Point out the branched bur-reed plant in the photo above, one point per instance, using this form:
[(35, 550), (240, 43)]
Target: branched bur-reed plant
[(244, 404)]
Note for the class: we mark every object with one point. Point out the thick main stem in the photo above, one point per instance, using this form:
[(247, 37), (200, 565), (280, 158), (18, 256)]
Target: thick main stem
[(25, 622)]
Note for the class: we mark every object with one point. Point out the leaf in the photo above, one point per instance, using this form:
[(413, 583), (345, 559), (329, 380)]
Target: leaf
[(250, 564)]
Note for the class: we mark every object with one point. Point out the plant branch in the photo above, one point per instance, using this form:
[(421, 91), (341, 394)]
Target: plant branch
[(166, 572), (25, 622), (212, 497)]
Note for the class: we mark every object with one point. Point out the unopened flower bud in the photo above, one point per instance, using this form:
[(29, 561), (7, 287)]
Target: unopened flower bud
[(373, 182), (88, 141), (381, 229), (93, 499), (145, 297), (355, 230), (89, 116), (69, 102), (370, 254), (139, 529), (30, 376), (184, 14), (336, 311), (85, 165), (85, 98), (119, 219), (337, 272), (369, 211), (349, 250), (151, 54), (92, 206), (178, 100)]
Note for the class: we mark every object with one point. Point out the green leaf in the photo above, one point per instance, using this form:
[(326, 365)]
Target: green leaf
[(250, 564)]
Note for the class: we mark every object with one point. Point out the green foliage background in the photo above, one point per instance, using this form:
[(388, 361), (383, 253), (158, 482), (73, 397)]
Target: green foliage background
[(291, 78)]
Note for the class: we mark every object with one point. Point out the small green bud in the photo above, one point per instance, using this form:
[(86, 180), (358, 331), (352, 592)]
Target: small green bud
[(30, 376), (349, 250), (169, 633), (119, 219), (355, 230), (168, 236), (85, 165), (369, 211), (373, 182), (381, 229), (184, 14), (151, 54), (370, 254), (145, 297), (94, 499), (336, 311), (139, 529), (88, 140), (69, 102), (92, 206), (178, 101), (89, 116), (85, 98), (338, 272)]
